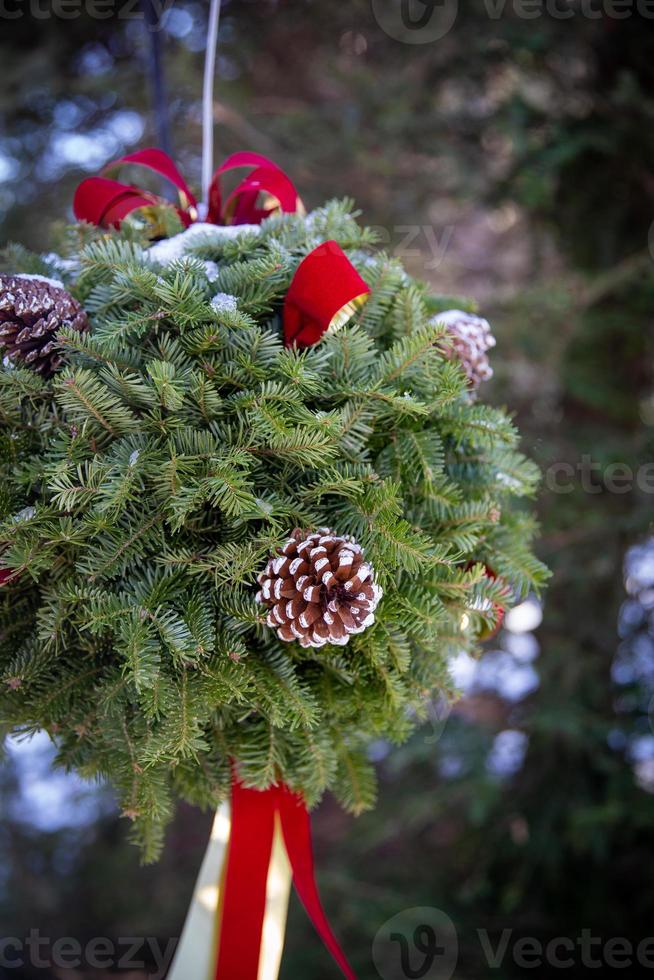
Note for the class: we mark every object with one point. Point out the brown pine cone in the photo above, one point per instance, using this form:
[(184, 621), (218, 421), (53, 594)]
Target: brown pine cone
[(319, 589), (32, 310), (471, 337)]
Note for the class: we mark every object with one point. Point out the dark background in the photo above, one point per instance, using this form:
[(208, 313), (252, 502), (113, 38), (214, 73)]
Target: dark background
[(511, 160)]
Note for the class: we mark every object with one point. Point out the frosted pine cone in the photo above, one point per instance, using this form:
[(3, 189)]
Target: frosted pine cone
[(471, 338), (319, 589), (32, 310)]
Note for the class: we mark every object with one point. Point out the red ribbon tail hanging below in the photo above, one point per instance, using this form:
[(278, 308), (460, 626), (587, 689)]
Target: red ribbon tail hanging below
[(256, 815), (296, 827), (325, 292), (244, 897)]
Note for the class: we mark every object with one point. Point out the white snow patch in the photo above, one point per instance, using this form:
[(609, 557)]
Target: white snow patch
[(171, 249), (26, 514), (57, 283), (224, 303), (211, 270), (60, 263)]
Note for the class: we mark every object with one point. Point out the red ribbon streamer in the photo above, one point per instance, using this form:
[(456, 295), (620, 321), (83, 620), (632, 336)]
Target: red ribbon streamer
[(106, 202), (324, 293), (296, 827), (244, 897)]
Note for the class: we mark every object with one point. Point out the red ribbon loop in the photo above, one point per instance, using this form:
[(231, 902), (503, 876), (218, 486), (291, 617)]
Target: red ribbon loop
[(106, 202), (241, 205), (158, 161), (244, 897), (325, 292)]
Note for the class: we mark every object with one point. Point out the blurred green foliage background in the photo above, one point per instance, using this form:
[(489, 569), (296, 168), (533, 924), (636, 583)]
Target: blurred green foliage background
[(511, 160)]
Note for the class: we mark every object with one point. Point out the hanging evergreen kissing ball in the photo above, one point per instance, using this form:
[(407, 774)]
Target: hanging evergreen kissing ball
[(173, 454)]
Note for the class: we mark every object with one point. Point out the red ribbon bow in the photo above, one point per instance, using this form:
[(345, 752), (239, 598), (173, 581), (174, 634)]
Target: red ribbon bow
[(326, 289), (106, 202), (254, 816)]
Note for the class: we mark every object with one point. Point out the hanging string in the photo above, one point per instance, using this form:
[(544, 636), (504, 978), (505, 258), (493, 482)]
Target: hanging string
[(207, 98)]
